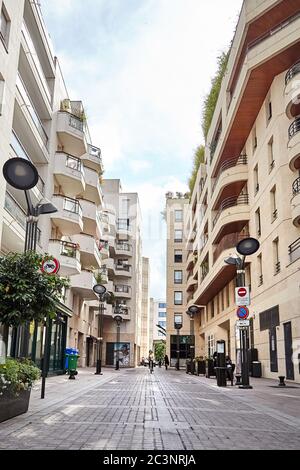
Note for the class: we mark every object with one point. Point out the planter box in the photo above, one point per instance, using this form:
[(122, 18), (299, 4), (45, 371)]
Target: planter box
[(201, 370), (11, 406), (210, 370)]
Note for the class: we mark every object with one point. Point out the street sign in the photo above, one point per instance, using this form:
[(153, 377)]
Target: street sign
[(242, 296), (50, 266), (243, 323), (242, 313)]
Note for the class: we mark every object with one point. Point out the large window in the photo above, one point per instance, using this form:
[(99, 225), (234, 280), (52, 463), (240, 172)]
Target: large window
[(178, 256), (178, 277), (178, 216), (162, 314), (162, 323), (4, 26), (178, 236), (178, 298), (162, 305)]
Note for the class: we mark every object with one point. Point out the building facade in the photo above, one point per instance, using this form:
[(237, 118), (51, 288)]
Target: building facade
[(176, 213), (159, 317), (249, 185), (94, 243), (125, 273), (145, 328)]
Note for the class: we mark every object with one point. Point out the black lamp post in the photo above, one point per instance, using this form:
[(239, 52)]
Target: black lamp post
[(102, 295), (22, 174), (178, 326), (191, 312), (245, 247)]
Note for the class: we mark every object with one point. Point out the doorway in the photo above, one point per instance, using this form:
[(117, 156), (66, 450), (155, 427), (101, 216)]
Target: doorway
[(288, 346), (273, 349)]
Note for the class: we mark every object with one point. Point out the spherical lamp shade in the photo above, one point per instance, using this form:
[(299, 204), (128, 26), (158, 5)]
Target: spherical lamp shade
[(99, 289), (20, 173), (248, 246), (193, 310)]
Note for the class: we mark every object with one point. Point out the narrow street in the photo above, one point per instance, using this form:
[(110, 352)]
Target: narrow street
[(132, 409)]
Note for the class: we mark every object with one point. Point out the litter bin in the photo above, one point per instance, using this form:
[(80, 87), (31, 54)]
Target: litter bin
[(188, 366), (71, 361), (256, 369)]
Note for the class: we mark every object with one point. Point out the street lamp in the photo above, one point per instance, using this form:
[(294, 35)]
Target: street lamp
[(102, 294), (22, 174), (246, 247), (118, 319), (191, 312), (178, 326)]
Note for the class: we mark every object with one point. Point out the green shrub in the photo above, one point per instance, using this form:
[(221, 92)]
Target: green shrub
[(17, 375)]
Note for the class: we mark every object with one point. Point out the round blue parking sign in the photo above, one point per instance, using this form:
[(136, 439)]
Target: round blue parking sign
[(242, 313)]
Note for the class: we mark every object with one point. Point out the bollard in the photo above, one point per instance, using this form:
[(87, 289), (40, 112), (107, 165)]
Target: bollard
[(72, 374), (238, 379), (281, 381)]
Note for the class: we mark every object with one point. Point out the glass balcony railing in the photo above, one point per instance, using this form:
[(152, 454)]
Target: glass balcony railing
[(31, 109), (15, 210), (75, 164), (36, 61), (72, 205)]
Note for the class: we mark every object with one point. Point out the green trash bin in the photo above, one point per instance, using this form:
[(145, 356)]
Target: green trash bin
[(71, 362)]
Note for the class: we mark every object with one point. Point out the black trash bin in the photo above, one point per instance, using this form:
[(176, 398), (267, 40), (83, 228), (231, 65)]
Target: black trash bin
[(256, 369)]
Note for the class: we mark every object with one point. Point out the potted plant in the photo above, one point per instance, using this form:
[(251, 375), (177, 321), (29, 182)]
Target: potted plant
[(16, 380)]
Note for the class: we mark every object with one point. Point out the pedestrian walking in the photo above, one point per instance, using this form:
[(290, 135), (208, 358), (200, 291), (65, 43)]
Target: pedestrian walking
[(230, 369), (167, 362), (151, 361)]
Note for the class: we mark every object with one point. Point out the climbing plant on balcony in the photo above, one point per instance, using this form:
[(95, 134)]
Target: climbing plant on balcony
[(198, 159), (26, 293)]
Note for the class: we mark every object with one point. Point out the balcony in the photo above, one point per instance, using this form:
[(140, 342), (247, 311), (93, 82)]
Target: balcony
[(69, 216), (123, 270), (71, 133), (28, 125), (104, 278), (292, 91), (231, 217), (67, 254), (295, 203), (103, 246), (294, 145), (91, 218), (14, 225), (93, 191), (69, 173), (228, 241), (123, 228), (294, 251), (230, 178), (123, 291), (89, 251), (83, 284), (93, 159), (123, 249)]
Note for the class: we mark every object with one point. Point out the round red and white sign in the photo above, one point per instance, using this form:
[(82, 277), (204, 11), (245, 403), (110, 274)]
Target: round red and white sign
[(50, 266), (242, 292)]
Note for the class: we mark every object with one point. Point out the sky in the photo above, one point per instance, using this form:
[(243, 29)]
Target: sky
[(142, 69)]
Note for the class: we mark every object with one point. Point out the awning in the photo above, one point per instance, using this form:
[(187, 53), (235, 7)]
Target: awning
[(63, 309)]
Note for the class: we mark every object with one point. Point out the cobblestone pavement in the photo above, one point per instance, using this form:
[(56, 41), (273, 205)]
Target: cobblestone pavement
[(132, 409)]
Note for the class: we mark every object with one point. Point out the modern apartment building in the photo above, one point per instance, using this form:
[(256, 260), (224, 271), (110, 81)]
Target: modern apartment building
[(176, 213), (40, 123), (125, 274), (145, 328), (159, 309), (250, 185)]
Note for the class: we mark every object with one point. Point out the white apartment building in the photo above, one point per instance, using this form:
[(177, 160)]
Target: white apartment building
[(250, 185), (159, 309), (125, 274)]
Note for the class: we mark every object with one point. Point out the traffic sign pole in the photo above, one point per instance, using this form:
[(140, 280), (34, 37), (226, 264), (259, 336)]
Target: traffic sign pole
[(243, 333)]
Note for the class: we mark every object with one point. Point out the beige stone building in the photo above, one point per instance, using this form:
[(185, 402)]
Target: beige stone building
[(145, 328), (176, 213), (250, 186), (125, 273), (93, 242)]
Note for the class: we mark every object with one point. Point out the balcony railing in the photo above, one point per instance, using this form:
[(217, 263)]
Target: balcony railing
[(228, 241), (67, 248), (204, 270), (123, 246), (94, 152), (71, 205), (260, 280), (293, 71), (123, 289), (15, 210), (122, 224), (243, 199), (20, 152), (75, 164), (277, 267), (241, 160), (294, 250), (294, 128), (296, 187), (31, 109), (123, 267)]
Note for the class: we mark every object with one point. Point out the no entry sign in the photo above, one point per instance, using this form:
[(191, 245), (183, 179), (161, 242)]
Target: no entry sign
[(242, 296)]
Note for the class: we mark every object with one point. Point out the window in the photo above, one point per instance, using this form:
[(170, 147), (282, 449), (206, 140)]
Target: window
[(273, 204), (178, 236), (125, 207), (271, 155), (4, 26), (178, 256), (258, 222), (178, 216), (178, 320), (211, 345), (254, 139), (178, 298), (269, 111), (256, 183), (222, 301), (2, 83), (162, 305), (276, 256), (162, 323), (212, 309), (178, 277), (162, 314), (228, 295), (260, 271)]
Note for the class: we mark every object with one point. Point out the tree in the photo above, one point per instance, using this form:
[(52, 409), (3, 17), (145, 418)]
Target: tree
[(199, 157), (26, 293), (160, 350)]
